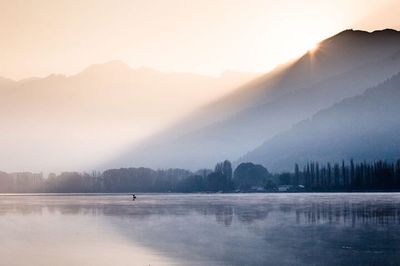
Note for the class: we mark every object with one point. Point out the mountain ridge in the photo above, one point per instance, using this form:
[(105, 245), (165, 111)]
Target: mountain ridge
[(93, 114), (362, 127), (368, 56)]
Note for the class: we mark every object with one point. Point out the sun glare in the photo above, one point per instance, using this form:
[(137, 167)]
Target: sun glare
[(312, 47)]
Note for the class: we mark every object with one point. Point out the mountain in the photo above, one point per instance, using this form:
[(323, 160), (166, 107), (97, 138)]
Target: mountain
[(4, 83), (72, 122), (342, 66), (364, 127)]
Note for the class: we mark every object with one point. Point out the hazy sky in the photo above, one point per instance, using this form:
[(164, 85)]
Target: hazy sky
[(39, 37)]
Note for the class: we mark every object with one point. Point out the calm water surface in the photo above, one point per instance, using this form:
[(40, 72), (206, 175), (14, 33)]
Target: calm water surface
[(200, 229)]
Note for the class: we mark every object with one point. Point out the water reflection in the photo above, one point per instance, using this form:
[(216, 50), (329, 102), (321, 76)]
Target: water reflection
[(347, 214), (257, 229)]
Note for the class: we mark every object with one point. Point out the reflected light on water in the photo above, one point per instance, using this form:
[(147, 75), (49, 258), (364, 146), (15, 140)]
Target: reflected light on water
[(176, 229)]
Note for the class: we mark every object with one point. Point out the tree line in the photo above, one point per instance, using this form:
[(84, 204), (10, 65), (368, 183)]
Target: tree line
[(127, 180), (247, 177), (348, 176)]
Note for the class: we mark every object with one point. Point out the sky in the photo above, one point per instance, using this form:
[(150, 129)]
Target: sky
[(40, 37)]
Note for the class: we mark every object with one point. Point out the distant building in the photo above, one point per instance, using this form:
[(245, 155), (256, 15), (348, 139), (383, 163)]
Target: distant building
[(257, 189), (284, 188)]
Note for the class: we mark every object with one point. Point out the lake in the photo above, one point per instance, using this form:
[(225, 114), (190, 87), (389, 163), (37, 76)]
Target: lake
[(200, 229)]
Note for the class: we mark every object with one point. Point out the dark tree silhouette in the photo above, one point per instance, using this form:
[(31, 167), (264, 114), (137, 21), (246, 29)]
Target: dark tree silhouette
[(248, 175)]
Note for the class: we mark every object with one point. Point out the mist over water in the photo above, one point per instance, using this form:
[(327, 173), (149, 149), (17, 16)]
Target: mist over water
[(201, 229)]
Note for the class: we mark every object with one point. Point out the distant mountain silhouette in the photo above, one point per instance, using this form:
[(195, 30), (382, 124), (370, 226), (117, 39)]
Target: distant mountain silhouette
[(364, 127), (74, 121), (6, 82), (342, 66)]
